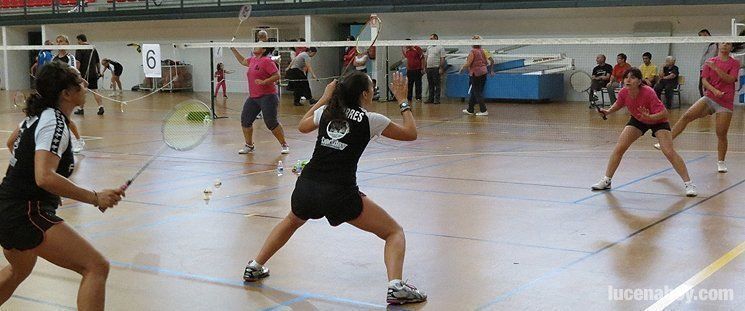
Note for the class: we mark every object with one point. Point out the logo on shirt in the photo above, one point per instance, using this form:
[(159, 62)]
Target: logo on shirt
[(337, 129)]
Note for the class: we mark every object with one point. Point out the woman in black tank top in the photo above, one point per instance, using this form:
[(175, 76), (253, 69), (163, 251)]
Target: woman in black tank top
[(328, 186), (41, 160)]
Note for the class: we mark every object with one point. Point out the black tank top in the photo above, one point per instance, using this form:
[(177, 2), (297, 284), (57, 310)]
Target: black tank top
[(50, 128)]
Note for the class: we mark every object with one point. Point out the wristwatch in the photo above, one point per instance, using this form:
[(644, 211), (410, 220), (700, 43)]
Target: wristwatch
[(404, 106)]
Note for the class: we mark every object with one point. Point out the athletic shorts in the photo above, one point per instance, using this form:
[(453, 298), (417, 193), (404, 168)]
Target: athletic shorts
[(118, 71), (714, 107), (92, 82), (314, 200), (644, 127), (23, 223)]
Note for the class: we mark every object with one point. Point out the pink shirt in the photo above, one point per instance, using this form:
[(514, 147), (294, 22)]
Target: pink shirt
[(732, 68), (260, 68), (646, 98), (479, 63)]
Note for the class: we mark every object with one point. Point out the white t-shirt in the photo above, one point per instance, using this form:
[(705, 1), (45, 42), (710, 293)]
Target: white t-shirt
[(378, 122), (434, 53)]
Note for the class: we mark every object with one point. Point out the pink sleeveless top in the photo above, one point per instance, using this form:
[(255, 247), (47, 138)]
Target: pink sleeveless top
[(478, 65)]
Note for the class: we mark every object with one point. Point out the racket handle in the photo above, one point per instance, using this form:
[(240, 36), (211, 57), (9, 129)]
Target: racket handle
[(126, 185), (598, 109)]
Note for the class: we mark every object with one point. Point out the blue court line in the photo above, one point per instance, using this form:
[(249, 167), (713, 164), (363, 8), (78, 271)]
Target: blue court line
[(237, 283), (287, 303), (44, 302), (498, 242), (563, 268), (598, 193)]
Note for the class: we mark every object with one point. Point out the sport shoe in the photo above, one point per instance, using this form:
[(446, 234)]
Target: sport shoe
[(690, 189), (100, 111), (603, 184), (467, 112), (261, 115), (77, 145), (404, 293), (483, 113), (285, 149), (254, 272), (656, 146), (246, 149), (721, 167), (79, 111)]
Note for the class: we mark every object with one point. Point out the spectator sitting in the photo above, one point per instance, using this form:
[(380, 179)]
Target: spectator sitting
[(668, 81)]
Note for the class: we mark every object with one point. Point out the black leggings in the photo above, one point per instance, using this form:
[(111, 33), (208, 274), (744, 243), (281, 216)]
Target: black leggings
[(477, 93), (299, 84)]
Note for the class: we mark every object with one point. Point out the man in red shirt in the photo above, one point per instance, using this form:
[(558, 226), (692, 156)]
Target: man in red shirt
[(414, 69), (617, 76)]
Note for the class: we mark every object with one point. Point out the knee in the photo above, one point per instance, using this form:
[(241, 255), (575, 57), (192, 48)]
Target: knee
[(98, 267), (271, 122)]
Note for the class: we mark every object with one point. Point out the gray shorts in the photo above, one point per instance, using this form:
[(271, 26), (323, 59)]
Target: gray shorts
[(714, 107), (267, 105)]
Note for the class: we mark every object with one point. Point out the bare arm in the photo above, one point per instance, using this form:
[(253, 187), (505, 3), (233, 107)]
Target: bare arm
[(469, 60), (270, 80), (239, 57), (708, 86), (407, 131), (310, 70), (721, 73), (306, 124), (12, 139), (45, 165)]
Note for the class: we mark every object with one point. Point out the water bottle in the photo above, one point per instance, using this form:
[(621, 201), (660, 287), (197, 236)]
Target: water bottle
[(280, 168)]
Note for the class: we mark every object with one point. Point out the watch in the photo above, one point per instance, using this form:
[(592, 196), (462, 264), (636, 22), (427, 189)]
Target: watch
[(404, 106)]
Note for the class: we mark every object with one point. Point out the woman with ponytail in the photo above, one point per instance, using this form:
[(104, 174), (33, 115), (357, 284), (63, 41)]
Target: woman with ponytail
[(41, 162), (328, 186)]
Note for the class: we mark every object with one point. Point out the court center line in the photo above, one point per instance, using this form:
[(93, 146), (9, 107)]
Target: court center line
[(565, 267), (696, 279), (44, 302)]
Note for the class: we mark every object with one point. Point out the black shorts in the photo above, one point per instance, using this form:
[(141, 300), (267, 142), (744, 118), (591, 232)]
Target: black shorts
[(118, 71), (92, 82), (313, 200), (23, 223), (645, 127)]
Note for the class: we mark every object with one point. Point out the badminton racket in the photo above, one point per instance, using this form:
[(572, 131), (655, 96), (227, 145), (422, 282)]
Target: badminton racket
[(581, 83), (373, 21), (242, 16), (184, 128)]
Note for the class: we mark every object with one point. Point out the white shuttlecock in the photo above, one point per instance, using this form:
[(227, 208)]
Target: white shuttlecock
[(218, 183), (122, 105)]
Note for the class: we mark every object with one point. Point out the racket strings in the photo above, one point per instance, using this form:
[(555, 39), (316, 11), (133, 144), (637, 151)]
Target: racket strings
[(187, 125)]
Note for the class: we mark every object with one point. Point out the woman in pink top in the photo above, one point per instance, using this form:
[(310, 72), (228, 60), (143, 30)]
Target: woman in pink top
[(262, 74), (647, 113), (476, 63), (718, 77)]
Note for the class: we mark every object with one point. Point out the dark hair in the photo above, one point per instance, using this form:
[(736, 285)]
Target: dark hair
[(219, 66), (350, 38), (312, 49), (301, 39), (51, 80), (435, 35), (647, 54), (622, 56), (82, 37), (705, 31), (347, 94), (635, 72)]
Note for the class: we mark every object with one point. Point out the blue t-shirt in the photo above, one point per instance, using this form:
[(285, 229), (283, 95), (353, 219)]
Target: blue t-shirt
[(44, 58)]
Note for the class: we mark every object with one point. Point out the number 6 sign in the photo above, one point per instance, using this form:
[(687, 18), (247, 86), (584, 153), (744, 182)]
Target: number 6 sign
[(151, 60)]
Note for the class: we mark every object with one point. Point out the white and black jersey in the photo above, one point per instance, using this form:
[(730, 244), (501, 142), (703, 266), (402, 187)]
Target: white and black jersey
[(340, 145), (48, 132), (68, 59)]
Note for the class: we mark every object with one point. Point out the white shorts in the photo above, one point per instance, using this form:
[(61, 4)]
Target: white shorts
[(714, 107)]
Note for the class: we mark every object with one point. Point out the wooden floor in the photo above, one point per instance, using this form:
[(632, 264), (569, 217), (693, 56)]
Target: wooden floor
[(497, 212)]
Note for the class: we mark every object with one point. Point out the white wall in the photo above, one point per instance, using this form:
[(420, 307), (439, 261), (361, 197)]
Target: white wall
[(326, 61), (17, 67)]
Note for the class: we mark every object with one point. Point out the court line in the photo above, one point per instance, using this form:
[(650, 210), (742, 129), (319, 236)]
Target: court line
[(235, 283), (696, 279), (44, 302), (599, 193), (565, 267), (287, 303)]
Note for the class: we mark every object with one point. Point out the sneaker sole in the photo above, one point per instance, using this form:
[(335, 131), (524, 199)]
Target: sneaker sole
[(691, 195), (402, 302), (599, 189), (251, 280)]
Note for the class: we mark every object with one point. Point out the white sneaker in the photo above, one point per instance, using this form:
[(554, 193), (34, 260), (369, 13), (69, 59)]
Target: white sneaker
[(77, 145), (403, 293), (603, 184), (721, 167), (485, 113), (466, 112), (285, 149), (690, 189), (657, 146), (254, 272), (246, 149)]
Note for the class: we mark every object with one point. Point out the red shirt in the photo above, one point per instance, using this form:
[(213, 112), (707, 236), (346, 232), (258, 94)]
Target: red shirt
[(619, 70), (647, 98), (730, 67), (414, 58), (260, 68)]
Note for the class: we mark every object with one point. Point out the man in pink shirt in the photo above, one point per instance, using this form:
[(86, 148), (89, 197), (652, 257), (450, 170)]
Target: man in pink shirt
[(647, 113), (262, 75), (718, 78)]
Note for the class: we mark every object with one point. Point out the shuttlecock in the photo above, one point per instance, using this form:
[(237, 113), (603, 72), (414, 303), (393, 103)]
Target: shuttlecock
[(122, 105), (218, 183), (208, 190)]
